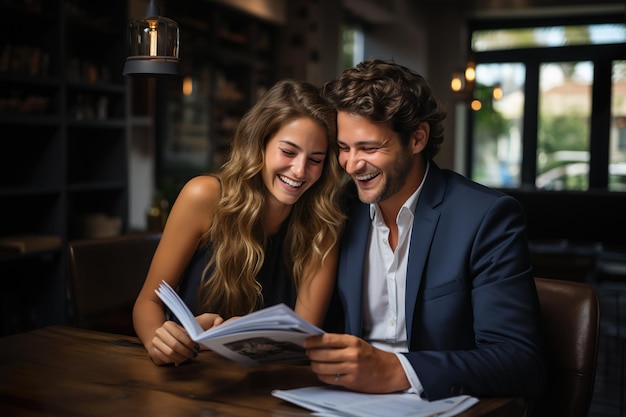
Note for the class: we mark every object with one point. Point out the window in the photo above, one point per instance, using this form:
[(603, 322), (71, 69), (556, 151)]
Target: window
[(548, 36), (544, 90), (617, 152), (563, 125), (498, 124), (352, 45)]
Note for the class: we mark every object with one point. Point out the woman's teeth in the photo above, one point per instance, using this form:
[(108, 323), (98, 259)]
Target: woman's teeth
[(290, 182)]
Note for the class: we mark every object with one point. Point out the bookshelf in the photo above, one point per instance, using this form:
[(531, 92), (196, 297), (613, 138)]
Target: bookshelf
[(63, 167), (67, 115)]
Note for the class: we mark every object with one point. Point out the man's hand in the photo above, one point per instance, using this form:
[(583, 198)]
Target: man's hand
[(341, 359)]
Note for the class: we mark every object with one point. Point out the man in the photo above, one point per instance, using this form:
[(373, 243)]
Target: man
[(434, 272)]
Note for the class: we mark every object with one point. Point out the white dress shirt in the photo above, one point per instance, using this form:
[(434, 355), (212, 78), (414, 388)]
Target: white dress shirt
[(384, 322)]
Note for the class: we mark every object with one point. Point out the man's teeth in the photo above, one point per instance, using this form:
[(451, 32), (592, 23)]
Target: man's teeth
[(366, 177), (290, 182)]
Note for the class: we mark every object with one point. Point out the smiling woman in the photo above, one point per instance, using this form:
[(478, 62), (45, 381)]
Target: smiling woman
[(262, 231), (294, 160)]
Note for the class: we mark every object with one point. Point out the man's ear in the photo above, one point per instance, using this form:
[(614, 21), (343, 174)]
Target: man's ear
[(419, 138)]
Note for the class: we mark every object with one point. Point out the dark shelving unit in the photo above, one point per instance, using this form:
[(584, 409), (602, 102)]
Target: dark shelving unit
[(64, 143)]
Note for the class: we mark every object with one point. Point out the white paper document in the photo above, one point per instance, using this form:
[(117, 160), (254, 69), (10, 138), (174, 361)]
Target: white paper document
[(331, 401), (271, 335)]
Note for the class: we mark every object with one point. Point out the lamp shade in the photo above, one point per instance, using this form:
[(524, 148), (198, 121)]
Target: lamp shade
[(153, 45)]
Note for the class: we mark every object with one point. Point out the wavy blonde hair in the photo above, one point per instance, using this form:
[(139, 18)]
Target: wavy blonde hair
[(229, 286)]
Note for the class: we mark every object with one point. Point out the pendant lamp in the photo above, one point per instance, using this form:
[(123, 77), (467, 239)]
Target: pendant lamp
[(153, 45)]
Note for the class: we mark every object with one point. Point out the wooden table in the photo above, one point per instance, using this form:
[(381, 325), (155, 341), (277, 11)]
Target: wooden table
[(63, 371)]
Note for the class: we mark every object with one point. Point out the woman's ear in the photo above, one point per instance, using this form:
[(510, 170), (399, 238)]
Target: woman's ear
[(419, 138)]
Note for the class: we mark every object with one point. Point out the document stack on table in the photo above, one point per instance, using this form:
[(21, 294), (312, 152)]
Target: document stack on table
[(331, 401)]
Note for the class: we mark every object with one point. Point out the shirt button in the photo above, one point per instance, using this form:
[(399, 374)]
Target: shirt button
[(392, 322)]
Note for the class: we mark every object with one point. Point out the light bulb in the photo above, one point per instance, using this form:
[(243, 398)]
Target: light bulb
[(153, 37), (456, 84), (187, 86), (497, 92)]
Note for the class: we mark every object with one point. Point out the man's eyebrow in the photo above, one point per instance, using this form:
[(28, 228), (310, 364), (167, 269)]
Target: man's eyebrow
[(361, 143)]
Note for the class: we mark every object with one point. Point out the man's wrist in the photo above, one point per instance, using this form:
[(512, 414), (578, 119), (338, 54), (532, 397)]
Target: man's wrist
[(413, 384)]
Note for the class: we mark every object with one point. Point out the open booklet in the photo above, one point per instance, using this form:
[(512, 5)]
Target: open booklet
[(271, 335), (332, 401)]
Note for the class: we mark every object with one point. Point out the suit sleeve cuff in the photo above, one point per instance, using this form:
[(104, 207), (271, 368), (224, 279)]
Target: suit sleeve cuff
[(411, 375)]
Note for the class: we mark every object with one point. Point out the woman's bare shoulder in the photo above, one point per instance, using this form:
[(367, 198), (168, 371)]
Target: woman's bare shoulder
[(203, 184), (202, 190)]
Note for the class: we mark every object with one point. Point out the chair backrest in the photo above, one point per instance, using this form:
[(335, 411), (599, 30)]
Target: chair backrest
[(105, 277), (570, 316)]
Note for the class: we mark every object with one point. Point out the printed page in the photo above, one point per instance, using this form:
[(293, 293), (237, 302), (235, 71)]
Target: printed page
[(263, 347), (337, 401), (176, 305)]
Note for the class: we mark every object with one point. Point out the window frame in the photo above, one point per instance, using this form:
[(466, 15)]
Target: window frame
[(601, 56)]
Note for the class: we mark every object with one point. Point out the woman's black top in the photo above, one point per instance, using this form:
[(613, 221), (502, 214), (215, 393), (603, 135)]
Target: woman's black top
[(277, 285)]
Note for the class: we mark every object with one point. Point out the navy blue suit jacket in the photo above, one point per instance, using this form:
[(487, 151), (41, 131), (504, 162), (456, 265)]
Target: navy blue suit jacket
[(472, 312)]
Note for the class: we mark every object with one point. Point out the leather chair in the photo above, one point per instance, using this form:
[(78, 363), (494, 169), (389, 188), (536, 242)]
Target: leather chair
[(105, 277), (610, 281), (570, 315)]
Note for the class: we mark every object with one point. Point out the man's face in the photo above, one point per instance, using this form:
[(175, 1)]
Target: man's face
[(372, 154)]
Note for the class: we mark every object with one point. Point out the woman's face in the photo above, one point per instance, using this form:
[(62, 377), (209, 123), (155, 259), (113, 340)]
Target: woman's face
[(294, 159)]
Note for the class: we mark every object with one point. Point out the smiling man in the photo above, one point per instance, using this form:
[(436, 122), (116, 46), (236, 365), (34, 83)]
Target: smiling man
[(434, 270)]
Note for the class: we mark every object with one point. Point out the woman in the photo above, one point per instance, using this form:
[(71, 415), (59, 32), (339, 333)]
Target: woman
[(264, 230)]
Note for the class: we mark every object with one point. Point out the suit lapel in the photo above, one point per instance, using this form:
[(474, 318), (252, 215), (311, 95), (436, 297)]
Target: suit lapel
[(350, 274), (424, 226)]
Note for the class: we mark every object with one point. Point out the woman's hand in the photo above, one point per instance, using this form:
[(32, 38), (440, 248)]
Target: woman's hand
[(172, 344), (208, 320)]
